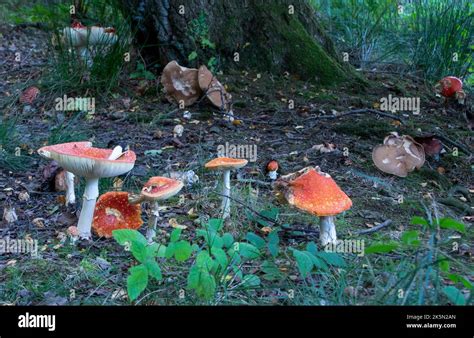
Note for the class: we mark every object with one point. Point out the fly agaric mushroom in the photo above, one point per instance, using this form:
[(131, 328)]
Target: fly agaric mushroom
[(81, 159), (156, 189), (81, 37), (315, 192), (226, 164), (181, 84), (73, 234), (272, 168), (213, 89), (398, 155), (451, 86), (113, 211)]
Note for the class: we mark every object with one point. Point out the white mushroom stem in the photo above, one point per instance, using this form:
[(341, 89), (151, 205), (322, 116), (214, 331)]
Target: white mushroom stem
[(272, 175), (70, 195), (89, 199), (152, 221), (91, 193), (327, 230), (226, 194)]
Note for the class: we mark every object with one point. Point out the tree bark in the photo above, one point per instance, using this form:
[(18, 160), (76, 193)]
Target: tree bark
[(276, 36)]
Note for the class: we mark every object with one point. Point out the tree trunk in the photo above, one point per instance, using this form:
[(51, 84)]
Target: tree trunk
[(275, 36)]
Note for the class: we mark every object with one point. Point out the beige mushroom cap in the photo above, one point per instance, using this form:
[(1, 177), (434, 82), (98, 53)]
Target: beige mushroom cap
[(216, 92), (225, 163), (181, 84), (399, 155)]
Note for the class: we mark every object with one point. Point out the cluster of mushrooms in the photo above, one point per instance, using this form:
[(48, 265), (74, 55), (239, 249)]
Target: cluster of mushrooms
[(83, 39), (309, 190)]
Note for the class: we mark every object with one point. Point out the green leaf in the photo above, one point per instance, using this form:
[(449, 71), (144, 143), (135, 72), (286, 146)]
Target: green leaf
[(454, 295), (228, 240), (418, 221), (444, 265), (220, 256), (304, 262), (137, 281), (124, 236), (205, 261), (175, 234), (182, 251), (449, 223), (161, 253), (380, 248), (460, 279), (411, 238), (312, 247), (202, 282), (332, 258), (273, 243), (193, 55), (170, 250), (271, 271), (255, 239), (211, 237), (153, 268), (139, 251), (318, 262), (215, 224), (250, 281), (248, 251)]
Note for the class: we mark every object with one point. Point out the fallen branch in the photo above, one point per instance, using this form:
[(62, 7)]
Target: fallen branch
[(355, 112), (375, 228)]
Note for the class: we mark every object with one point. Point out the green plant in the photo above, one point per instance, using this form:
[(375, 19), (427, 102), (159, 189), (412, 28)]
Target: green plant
[(145, 254), (141, 73), (199, 33)]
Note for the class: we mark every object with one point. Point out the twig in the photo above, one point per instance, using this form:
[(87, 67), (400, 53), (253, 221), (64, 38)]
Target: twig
[(453, 143), (354, 112), (375, 228)]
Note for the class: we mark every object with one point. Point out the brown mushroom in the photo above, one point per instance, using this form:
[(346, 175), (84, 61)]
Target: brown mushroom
[(213, 89), (181, 84), (399, 155)]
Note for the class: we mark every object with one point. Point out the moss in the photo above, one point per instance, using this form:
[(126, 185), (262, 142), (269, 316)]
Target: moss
[(309, 56), (366, 129)]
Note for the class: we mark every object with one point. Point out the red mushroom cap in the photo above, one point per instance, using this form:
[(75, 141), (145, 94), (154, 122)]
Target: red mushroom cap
[(160, 188), (450, 85), (314, 192), (272, 165), (77, 24), (113, 211)]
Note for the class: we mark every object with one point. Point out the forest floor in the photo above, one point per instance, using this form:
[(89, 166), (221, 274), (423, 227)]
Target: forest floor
[(144, 120)]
